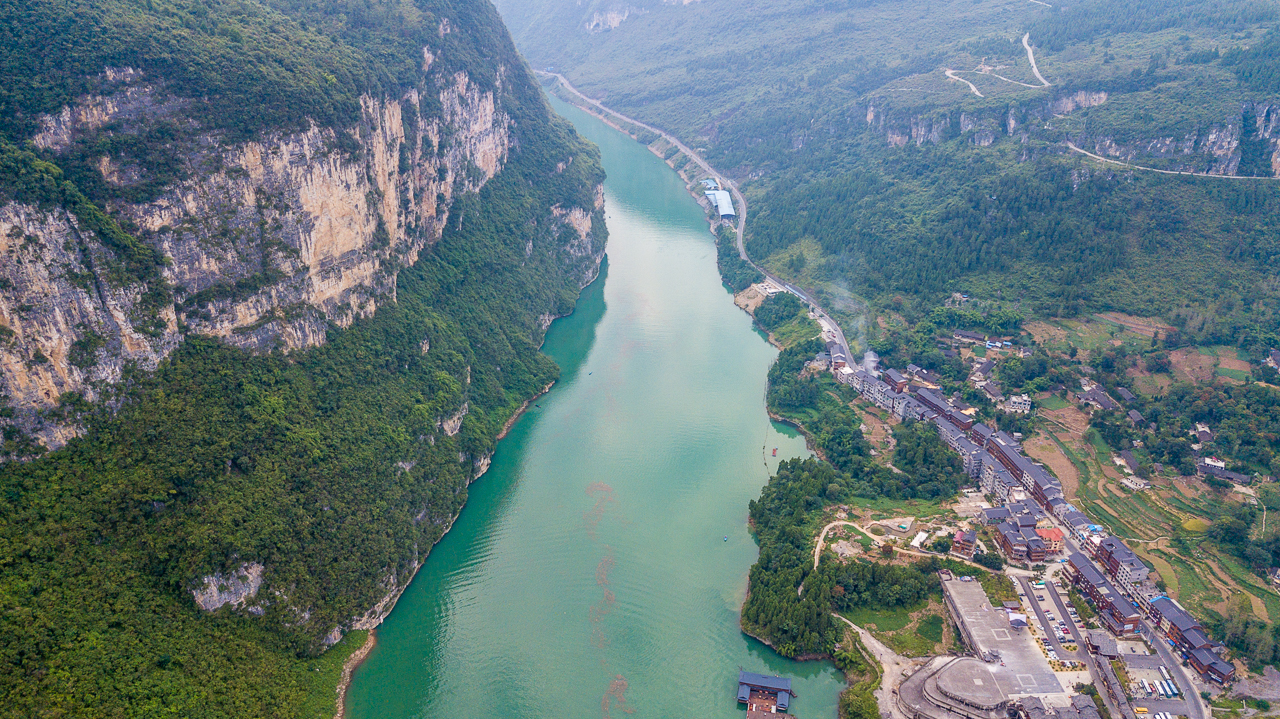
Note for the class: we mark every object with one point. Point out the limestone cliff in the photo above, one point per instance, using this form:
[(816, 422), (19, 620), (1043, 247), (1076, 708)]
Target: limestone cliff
[(266, 242), (1215, 149)]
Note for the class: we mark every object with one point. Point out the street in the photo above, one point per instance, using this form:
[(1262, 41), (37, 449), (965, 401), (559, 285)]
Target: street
[(1048, 626)]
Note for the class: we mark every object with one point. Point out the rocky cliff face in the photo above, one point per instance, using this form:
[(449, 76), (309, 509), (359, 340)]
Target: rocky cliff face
[(1214, 150), (267, 242)]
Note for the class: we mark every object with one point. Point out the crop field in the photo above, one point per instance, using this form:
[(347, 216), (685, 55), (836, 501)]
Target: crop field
[(1195, 574), (1089, 334), (1052, 402)]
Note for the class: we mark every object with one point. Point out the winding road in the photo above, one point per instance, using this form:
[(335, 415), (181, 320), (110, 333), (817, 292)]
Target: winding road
[(829, 325), (952, 74), (1109, 161), (1031, 56), (817, 551), (892, 666)]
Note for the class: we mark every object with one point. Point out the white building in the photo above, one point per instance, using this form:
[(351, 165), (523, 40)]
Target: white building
[(723, 202), (1020, 404)]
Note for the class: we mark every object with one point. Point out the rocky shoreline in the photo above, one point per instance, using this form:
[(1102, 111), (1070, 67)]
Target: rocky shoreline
[(348, 669)]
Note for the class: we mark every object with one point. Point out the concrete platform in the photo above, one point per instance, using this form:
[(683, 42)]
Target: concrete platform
[(1020, 668), (972, 681)]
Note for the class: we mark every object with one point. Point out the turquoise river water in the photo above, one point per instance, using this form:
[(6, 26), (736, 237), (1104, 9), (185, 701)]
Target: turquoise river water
[(589, 574)]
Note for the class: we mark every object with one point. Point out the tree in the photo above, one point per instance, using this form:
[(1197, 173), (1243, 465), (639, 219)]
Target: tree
[(990, 560)]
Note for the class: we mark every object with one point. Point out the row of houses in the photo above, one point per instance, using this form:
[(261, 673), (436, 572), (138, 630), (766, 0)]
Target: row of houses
[(1115, 611), (1121, 617), (1187, 634), (992, 458), (1082, 707), (1024, 527)]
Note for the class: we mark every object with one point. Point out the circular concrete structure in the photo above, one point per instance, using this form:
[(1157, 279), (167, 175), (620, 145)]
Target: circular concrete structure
[(969, 681)]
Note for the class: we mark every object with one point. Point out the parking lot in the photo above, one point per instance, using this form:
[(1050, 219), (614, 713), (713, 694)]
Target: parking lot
[(1023, 668), (1057, 626), (1147, 666)]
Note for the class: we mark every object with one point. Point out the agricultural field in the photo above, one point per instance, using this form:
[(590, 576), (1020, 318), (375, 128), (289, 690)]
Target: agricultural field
[(1090, 335), (1165, 524)]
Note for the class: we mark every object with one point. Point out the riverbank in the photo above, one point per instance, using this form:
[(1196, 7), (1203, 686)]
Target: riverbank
[(349, 667), (612, 118), (605, 511)]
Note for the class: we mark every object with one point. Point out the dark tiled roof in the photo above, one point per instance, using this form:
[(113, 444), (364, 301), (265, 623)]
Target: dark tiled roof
[(1196, 638), (760, 681)]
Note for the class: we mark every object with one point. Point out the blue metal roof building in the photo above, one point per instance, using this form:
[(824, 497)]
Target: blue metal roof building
[(773, 685), (723, 202)]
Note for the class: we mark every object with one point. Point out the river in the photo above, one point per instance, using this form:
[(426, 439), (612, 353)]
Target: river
[(589, 574)]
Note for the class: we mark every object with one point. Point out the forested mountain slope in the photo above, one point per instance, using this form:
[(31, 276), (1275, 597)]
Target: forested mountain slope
[(275, 277), (896, 152)]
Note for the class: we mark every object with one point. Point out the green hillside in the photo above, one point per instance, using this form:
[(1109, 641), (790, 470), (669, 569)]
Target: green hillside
[(326, 465), (900, 185)]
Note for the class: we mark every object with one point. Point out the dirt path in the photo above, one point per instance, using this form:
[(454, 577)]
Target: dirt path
[(952, 74), (1100, 158), (892, 665), (817, 551), (1031, 57)]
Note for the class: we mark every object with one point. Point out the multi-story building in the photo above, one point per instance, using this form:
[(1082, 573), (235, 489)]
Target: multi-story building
[(1053, 539), (964, 543), (1121, 562), (1115, 612)]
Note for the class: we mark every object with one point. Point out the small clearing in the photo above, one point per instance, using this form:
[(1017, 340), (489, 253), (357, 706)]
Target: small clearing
[(1228, 359), (1044, 450), (877, 431), (1045, 333), (749, 299), (1189, 364), (1146, 326)]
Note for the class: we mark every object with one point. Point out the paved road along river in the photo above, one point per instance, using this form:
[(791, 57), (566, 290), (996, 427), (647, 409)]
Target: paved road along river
[(589, 575)]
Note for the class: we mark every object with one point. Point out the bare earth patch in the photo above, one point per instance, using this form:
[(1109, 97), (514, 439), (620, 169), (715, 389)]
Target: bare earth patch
[(877, 432), (1228, 359), (1045, 333), (1075, 421), (1046, 451), (1190, 365), (749, 299)]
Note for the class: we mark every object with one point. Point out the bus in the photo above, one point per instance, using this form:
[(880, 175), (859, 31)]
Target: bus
[(1165, 673), (1173, 689), (1141, 711)]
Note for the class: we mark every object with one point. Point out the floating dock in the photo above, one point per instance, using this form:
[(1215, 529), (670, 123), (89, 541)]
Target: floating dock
[(766, 697)]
